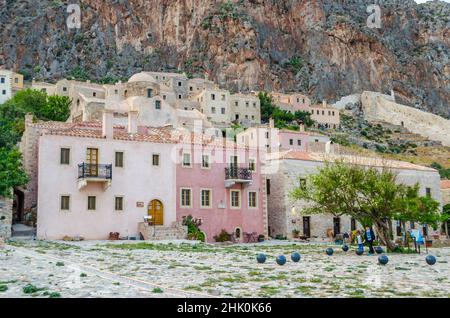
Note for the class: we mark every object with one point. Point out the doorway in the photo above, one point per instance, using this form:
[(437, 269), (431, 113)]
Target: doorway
[(92, 162), (307, 226), (156, 211), (336, 226), (18, 207)]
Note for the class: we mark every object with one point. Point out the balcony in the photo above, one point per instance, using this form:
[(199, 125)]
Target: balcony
[(234, 175), (88, 173)]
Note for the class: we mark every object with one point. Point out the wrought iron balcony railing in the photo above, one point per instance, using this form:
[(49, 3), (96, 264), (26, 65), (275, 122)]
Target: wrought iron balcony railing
[(234, 173), (89, 170)]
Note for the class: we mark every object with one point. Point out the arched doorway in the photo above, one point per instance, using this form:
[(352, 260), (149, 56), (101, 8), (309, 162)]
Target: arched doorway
[(156, 211)]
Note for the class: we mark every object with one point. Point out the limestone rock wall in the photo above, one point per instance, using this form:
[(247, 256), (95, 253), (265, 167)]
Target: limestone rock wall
[(321, 47), (377, 107)]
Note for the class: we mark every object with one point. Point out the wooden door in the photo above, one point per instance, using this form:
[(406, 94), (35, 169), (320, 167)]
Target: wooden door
[(307, 226), (156, 211), (92, 162)]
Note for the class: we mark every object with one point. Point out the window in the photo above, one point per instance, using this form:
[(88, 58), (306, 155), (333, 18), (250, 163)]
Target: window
[(2, 80), (118, 204), (236, 104), (213, 96), (65, 202), (91, 202), (252, 164), (302, 183), (223, 97), (179, 84), (155, 160), (4, 92), (332, 112), (149, 93), (94, 94), (190, 88), (119, 159), (267, 135), (323, 112), (164, 97), (268, 186), (16, 80), (252, 202), (299, 142), (44, 90), (180, 97), (186, 197), (337, 226), (428, 192), (246, 104), (235, 199), (205, 161), (318, 112), (116, 91), (254, 105), (213, 110), (65, 156), (223, 111), (253, 117), (205, 199), (186, 160), (64, 89), (291, 142), (157, 104)]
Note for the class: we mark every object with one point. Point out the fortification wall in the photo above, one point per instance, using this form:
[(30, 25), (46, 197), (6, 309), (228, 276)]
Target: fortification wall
[(377, 107)]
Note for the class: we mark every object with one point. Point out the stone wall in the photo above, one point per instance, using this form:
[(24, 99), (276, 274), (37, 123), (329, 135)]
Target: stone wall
[(29, 148), (285, 214), (5, 217), (377, 107)]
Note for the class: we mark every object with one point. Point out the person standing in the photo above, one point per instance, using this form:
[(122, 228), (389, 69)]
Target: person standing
[(369, 236), (359, 240)]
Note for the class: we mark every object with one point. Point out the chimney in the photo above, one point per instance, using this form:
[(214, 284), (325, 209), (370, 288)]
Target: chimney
[(324, 103), (301, 126), (132, 121), (108, 124), (271, 123)]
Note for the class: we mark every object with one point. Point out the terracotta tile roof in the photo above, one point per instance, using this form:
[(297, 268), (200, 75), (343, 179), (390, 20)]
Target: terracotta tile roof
[(167, 134), (445, 184), (364, 161)]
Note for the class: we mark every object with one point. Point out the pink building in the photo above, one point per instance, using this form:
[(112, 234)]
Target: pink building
[(94, 178), (221, 184)]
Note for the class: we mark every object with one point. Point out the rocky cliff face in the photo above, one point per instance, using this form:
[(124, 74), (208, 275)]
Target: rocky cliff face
[(321, 47)]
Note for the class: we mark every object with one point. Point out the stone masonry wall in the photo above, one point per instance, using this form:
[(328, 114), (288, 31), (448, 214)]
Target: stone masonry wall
[(285, 214), (5, 217), (29, 148), (378, 108)]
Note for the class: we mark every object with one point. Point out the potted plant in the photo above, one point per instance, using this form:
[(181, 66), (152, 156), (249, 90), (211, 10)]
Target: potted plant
[(295, 233)]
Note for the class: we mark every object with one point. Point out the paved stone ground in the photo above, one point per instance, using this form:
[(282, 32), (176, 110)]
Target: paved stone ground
[(185, 269)]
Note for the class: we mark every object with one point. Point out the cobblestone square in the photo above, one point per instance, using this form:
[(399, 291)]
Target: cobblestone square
[(186, 269)]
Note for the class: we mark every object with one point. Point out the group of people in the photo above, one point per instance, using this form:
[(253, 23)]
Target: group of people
[(368, 237)]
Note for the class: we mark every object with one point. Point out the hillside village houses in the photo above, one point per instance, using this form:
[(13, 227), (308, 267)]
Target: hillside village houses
[(132, 152), (10, 83)]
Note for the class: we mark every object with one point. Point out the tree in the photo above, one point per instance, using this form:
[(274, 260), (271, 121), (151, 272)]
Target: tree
[(57, 108), (371, 196), (267, 106), (11, 171)]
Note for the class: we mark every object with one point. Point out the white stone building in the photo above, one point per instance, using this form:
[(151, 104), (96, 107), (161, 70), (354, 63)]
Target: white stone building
[(10, 83), (286, 170)]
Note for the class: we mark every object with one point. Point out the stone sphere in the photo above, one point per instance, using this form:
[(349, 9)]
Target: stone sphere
[(359, 252), (295, 257), (430, 259), (281, 260), (261, 258), (379, 250), (345, 248), (329, 251), (383, 259)]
